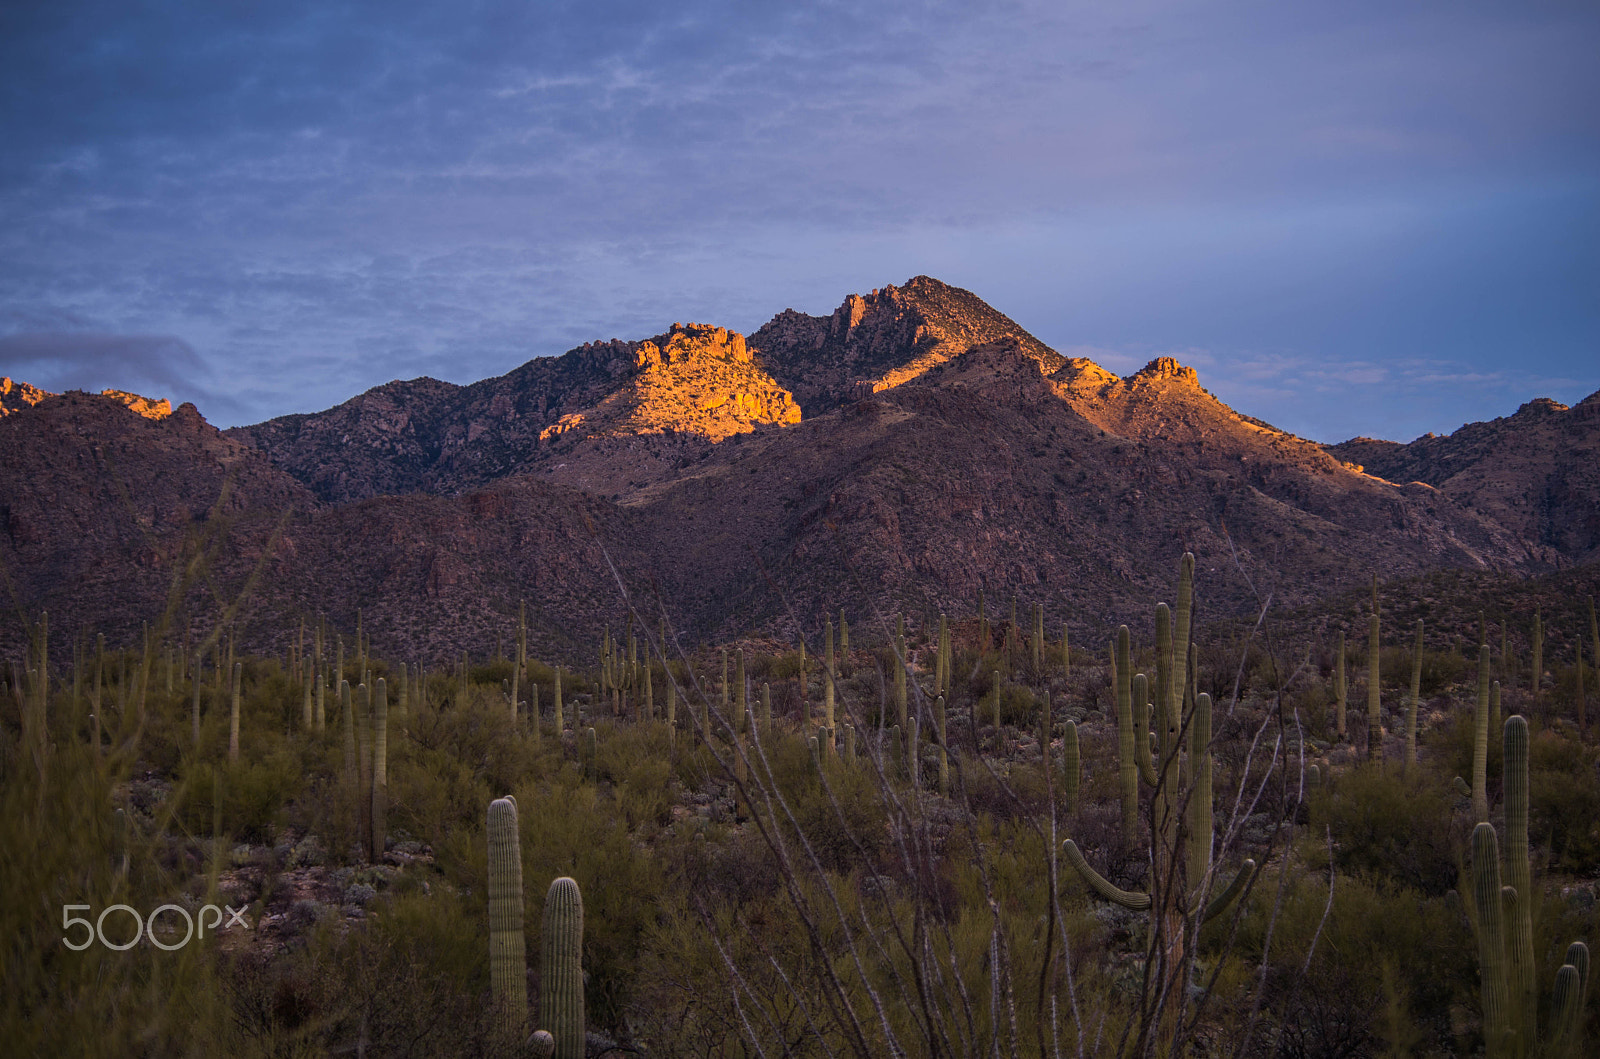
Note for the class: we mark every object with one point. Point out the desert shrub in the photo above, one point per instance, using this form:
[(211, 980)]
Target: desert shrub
[(1387, 969), (1564, 802), (1391, 829)]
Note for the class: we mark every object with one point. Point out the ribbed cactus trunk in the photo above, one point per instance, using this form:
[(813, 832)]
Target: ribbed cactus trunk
[(939, 677), (1487, 901), (233, 715), (1066, 654), (320, 717), (944, 754), (900, 677), (827, 675), (380, 771), (348, 713), (363, 791), (561, 1001), (1519, 933), (508, 965), (1413, 701), (555, 706), (1480, 744)]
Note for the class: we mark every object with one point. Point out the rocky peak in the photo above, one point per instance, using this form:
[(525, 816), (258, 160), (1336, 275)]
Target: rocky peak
[(1164, 368), (874, 342), (15, 396)]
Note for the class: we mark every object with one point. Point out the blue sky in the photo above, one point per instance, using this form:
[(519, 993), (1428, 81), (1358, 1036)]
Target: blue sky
[(1354, 218)]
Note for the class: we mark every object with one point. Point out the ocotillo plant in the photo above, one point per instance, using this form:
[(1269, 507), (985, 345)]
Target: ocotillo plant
[(1505, 932), (1174, 901), (561, 1007), (507, 955)]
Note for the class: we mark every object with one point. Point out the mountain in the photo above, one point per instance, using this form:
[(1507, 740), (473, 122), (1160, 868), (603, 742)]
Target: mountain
[(900, 455), (607, 417), (1536, 472)]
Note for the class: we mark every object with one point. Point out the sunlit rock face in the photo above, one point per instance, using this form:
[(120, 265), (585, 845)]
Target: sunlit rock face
[(16, 395)]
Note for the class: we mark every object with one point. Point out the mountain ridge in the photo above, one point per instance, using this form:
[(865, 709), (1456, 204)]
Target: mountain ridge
[(947, 452)]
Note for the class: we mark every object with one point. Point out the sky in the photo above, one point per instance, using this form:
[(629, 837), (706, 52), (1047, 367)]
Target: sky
[(1360, 218)]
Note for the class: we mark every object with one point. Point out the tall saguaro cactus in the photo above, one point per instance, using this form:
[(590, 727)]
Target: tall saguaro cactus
[(508, 973), (1180, 854), (561, 1008), (233, 715), (1503, 901), (380, 771)]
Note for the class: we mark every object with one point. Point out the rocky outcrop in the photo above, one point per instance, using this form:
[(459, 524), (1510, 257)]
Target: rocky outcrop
[(881, 340), (15, 396)]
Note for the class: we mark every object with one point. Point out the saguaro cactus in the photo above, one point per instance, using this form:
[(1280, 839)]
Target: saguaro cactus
[(233, 715), (1505, 932), (1179, 897), (508, 964), (380, 771), (561, 1010), (1070, 769)]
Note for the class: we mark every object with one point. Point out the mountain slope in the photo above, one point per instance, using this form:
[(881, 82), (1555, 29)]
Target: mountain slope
[(1536, 472)]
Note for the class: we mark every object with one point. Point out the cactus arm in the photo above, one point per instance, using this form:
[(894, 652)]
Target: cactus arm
[(1131, 901), (1462, 788), (1223, 901), (1566, 1014), (1142, 751)]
